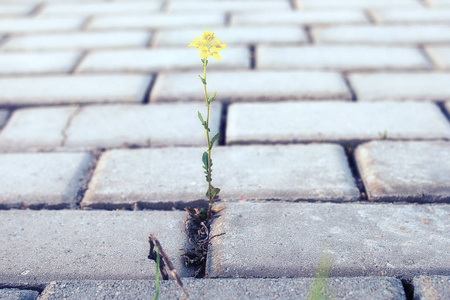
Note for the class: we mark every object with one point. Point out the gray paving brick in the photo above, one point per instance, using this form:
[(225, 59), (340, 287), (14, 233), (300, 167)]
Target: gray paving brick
[(251, 85), (339, 57), (33, 25), (299, 18), (145, 60), (35, 129), (13, 294), (401, 86), (4, 114), (431, 287), (329, 121), (440, 56), (415, 16), (41, 179), (286, 239), (156, 21), (387, 34), (359, 4), (228, 6), (79, 40), (18, 9), (89, 245), (37, 62), (124, 177), (155, 125), (101, 8), (73, 89), (223, 288), (235, 35), (405, 171)]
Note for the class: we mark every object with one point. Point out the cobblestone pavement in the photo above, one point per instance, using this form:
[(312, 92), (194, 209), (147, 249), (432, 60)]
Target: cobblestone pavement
[(335, 137)]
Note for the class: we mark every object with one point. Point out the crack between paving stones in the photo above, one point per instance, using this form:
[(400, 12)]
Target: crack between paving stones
[(25, 287), (77, 62), (373, 16), (293, 5), (89, 171), (252, 57), (429, 58), (309, 36), (227, 19), (68, 123)]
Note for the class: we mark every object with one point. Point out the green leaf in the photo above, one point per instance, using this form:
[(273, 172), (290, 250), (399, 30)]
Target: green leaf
[(205, 159), (201, 118), (214, 192), (213, 140), (211, 97), (202, 79)]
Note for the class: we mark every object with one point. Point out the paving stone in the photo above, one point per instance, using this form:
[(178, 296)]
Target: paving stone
[(137, 125), (146, 176), (88, 245), (79, 40), (146, 60), (331, 121), (234, 35), (401, 86), (267, 240), (37, 62), (415, 16), (32, 25), (405, 171), (299, 18), (228, 6), (224, 289), (387, 34), (101, 8), (15, 9), (4, 114), (73, 89), (35, 129), (339, 57), (155, 21), (12, 294), (440, 56), (41, 179), (431, 287), (251, 85), (359, 4)]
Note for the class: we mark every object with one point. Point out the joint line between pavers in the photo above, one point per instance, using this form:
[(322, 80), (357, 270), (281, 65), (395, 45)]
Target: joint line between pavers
[(90, 169), (309, 36), (164, 6), (77, 63), (149, 89), (373, 16), (350, 154), (67, 126), (293, 4), (445, 112), (223, 124), (349, 86), (408, 288), (36, 10), (429, 58), (252, 50), (84, 26)]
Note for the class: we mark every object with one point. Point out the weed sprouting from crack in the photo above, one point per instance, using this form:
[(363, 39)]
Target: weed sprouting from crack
[(198, 232)]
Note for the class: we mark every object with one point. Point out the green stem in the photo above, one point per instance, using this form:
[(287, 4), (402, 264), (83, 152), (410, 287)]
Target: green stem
[(205, 61)]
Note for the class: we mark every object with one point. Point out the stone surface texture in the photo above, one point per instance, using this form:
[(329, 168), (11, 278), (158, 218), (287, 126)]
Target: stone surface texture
[(267, 240), (250, 85), (405, 171), (283, 288), (148, 176), (73, 89), (42, 179), (333, 121), (12, 294), (431, 287), (95, 245)]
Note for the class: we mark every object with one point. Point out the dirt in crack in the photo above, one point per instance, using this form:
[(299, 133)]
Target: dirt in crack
[(198, 232)]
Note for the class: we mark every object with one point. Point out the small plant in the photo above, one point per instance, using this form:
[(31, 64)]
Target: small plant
[(383, 135), (318, 287), (208, 45)]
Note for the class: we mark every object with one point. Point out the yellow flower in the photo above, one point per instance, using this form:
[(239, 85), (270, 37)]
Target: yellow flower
[(208, 45)]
